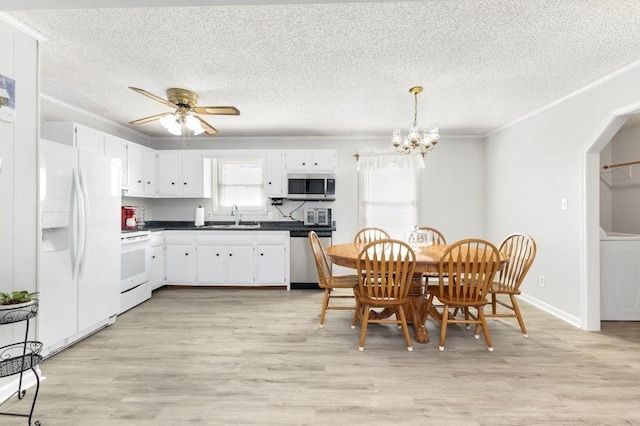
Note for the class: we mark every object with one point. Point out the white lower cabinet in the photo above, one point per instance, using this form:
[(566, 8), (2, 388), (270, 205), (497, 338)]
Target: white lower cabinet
[(157, 267), (234, 258), (180, 262), (272, 259)]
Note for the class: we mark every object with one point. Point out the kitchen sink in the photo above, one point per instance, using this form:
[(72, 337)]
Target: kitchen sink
[(253, 225)]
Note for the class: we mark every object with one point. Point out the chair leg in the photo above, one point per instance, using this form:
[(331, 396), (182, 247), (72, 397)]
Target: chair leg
[(325, 303), (365, 323), (485, 328), (405, 329), (443, 326), (494, 306), (516, 308), (466, 317), (425, 315), (356, 313)]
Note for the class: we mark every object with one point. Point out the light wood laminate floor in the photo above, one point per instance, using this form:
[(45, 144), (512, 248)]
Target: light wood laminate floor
[(208, 356)]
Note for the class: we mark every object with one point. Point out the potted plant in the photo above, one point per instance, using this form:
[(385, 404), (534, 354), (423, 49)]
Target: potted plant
[(17, 299)]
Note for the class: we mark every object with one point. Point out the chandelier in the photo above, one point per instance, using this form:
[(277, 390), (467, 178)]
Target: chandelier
[(181, 122), (415, 142)]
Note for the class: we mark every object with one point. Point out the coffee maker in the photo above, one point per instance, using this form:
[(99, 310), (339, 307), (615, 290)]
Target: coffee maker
[(128, 217)]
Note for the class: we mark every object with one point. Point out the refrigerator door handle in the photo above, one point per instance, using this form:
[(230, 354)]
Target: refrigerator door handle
[(84, 226), (75, 210)]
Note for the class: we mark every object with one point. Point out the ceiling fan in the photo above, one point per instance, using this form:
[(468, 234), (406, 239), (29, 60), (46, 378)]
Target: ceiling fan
[(184, 117)]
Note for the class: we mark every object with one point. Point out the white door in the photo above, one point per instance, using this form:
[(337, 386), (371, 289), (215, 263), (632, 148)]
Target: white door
[(167, 172), (58, 290), (150, 175), (240, 269), (210, 261), (179, 264), (191, 169), (99, 283), (271, 264)]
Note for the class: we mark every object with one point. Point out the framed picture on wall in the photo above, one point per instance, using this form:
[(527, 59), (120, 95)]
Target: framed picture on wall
[(7, 99)]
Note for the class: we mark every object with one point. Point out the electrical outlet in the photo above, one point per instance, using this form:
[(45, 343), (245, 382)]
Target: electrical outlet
[(209, 215), (541, 280), (270, 215)]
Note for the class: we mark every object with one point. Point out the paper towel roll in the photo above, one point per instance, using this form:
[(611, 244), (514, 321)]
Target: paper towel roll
[(199, 217)]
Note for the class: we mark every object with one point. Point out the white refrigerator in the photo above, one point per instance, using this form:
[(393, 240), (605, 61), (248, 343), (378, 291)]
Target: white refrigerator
[(79, 248)]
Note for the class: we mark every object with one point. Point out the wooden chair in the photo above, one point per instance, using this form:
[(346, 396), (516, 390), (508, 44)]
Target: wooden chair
[(471, 265), (436, 238), (329, 282), (385, 268), (368, 235), (521, 249)]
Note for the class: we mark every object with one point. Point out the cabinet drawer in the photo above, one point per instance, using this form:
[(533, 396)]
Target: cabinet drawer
[(280, 238), (178, 238), (157, 239)]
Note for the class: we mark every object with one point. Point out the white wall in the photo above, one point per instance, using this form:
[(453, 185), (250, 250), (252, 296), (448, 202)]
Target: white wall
[(625, 191), (534, 163), (451, 186), (18, 174)]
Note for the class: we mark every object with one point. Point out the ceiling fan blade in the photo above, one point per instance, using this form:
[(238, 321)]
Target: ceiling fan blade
[(216, 110), (150, 118), (208, 128), (154, 97)]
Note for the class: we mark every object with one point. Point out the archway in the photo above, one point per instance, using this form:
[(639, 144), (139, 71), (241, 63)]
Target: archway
[(591, 223)]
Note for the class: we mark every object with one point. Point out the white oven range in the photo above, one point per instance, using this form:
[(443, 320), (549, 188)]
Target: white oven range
[(135, 269)]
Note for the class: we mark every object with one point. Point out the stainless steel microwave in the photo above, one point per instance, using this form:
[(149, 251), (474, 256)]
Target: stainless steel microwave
[(311, 186)]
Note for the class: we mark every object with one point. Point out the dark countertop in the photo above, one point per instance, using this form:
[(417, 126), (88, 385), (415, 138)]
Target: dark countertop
[(297, 228)]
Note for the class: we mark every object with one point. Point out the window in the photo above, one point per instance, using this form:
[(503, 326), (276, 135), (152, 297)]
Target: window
[(240, 182), (388, 200)]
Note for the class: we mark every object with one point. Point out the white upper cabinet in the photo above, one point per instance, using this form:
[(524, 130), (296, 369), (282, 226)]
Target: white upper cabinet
[(310, 160), (183, 174), (150, 173), (273, 177), (195, 174), (135, 170), (74, 134), (168, 176)]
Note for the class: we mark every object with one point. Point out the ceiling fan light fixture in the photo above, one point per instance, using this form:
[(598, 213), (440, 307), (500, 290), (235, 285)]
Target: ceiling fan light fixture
[(193, 124), (185, 118), (172, 124)]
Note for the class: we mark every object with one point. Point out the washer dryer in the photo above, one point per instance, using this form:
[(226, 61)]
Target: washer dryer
[(619, 277)]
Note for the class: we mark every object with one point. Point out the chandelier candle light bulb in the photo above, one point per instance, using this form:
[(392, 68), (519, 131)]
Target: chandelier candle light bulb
[(415, 142)]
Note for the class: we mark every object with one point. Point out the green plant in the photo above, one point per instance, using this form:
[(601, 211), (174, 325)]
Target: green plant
[(16, 297)]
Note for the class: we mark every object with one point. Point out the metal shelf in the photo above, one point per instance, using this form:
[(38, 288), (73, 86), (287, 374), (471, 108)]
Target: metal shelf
[(16, 358)]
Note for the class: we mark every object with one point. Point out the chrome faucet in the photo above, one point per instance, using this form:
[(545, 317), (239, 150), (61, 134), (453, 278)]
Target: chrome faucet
[(234, 212)]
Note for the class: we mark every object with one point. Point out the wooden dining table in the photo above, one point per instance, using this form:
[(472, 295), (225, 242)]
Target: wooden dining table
[(427, 261)]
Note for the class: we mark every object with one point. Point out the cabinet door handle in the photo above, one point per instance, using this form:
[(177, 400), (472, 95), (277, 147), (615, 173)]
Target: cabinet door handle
[(230, 254), (261, 254), (304, 164), (186, 254), (184, 183), (148, 183), (139, 181), (217, 254), (153, 257), (173, 183), (315, 164)]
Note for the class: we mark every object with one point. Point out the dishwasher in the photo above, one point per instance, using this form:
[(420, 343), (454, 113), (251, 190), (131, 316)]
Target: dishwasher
[(304, 274)]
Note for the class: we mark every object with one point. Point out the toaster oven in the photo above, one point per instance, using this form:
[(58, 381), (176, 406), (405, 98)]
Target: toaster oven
[(317, 216)]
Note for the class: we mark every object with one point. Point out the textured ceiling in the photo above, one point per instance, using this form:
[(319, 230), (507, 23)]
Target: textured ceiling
[(339, 68)]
